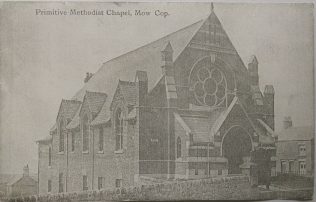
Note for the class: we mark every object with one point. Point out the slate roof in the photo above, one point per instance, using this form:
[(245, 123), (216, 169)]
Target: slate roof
[(68, 108), (296, 133), (17, 178), (128, 90), (74, 123), (95, 100), (10, 179), (200, 128), (199, 123), (146, 58), (103, 116)]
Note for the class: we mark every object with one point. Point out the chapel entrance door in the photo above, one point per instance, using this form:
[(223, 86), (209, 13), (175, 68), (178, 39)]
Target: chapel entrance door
[(235, 146)]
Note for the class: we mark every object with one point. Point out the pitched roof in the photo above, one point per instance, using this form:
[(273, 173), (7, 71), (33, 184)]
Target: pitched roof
[(10, 179), (17, 178), (200, 128), (296, 133), (95, 100), (68, 108), (74, 123), (128, 90), (198, 123), (103, 116), (146, 58), (224, 114)]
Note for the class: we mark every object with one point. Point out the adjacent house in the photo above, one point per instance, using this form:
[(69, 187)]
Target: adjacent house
[(18, 185), (181, 107), (295, 149)]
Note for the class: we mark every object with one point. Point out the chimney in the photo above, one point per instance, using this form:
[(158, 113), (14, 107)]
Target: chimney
[(287, 122), (268, 101), (26, 170), (141, 81), (167, 60), (253, 70), (88, 77)]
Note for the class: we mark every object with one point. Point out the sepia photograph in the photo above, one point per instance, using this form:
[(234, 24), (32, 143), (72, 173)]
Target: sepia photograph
[(156, 101)]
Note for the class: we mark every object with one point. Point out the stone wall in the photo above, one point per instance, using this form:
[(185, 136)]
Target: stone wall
[(224, 188)]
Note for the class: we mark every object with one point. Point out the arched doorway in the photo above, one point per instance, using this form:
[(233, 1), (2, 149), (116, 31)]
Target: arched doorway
[(236, 145)]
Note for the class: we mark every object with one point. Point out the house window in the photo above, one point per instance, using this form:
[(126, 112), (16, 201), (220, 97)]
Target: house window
[(178, 147), (302, 168), (85, 133), (60, 183), (196, 171), (61, 136), (283, 166), (73, 139), (49, 156), (118, 183), (119, 129), (84, 183), (100, 183), (291, 166), (220, 172), (302, 150), (101, 139), (49, 186)]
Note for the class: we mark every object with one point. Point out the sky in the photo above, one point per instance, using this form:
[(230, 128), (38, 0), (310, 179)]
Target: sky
[(45, 58)]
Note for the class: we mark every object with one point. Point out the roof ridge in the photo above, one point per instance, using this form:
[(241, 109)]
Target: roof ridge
[(126, 82), (150, 43), (71, 101), (94, 92)]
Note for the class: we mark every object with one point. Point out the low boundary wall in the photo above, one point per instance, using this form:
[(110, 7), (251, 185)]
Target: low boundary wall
[(224, 188)]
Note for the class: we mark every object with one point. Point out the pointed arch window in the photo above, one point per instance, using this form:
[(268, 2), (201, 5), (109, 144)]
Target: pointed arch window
[(119, 129), (101, 139), (61, 136), (85, 134), (49, 156), (178, 147)]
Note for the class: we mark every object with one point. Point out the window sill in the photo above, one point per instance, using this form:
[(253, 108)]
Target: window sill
[(100, 152), (121, 151), (61, 152), (72, 152), (49, 167), (85, 152)]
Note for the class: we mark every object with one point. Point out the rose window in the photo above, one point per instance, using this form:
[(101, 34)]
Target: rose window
[(209, 86)]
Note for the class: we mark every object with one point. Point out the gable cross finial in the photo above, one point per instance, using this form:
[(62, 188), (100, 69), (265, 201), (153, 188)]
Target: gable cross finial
[(212, 6)]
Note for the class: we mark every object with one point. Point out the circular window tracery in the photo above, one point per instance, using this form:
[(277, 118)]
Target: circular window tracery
[(208, 85)]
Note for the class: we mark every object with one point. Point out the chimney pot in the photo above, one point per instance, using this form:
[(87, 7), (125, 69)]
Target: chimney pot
[(88, 76), (26, 170)]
